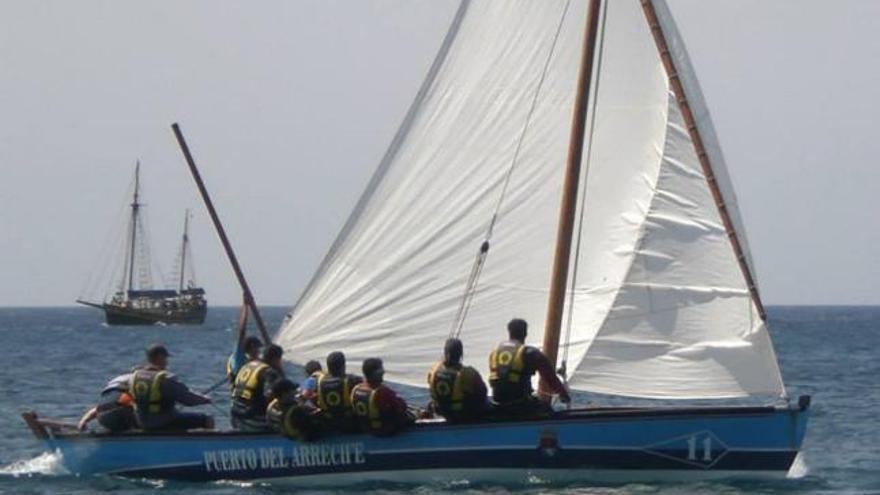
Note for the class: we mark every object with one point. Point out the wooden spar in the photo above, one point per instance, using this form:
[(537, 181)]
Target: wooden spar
[(248, 295), (705, 164), (568, 207), (135, 205)]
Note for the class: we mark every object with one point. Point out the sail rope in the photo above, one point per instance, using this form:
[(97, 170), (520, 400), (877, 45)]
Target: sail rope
[(103, 276), (482, 254), (583, 200)]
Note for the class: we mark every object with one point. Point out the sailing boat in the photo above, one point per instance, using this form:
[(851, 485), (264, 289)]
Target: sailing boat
[(135, 302), (648, 274)]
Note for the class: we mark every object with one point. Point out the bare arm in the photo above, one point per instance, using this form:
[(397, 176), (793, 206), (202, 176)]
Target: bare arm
[(185, 396), (549, 377), (87, 418)]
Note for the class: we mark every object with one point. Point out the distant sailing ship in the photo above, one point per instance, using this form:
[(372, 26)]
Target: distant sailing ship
[(135, 301)]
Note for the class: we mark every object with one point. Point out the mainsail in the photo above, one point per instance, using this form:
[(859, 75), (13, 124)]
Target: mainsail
[(659, 306)]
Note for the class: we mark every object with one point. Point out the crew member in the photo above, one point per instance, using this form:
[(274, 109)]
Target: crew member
[(114, 410), (155, 392), (245, 351), (313, 372), (512, 365), (458, 392), (378, 409), (290, 415), (333, 394), (252, 391)]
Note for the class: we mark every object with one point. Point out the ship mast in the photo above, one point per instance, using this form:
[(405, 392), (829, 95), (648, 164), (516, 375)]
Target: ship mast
[(183, 250), (568, 207), (135, 207)]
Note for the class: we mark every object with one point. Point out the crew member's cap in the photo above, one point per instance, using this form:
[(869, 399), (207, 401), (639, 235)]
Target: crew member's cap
[(284, 386), (252, 343), (273, 351), (157, 350), (311, 367), (373, 367)]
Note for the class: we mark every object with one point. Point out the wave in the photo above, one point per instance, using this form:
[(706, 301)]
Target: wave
[(47, 463), (799, 468)]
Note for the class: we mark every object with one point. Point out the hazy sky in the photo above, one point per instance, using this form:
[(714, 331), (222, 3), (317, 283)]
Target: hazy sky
[(289, 105)]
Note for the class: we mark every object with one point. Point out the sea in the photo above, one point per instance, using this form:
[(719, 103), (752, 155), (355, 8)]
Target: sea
[(55, 360)]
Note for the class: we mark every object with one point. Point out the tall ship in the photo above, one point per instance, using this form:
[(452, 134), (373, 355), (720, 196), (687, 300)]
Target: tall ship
[(134, 300)]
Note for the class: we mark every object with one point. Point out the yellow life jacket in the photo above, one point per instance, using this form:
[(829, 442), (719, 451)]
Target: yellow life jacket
[(247, 394), (447, 387), (145, 387), (249, 376), (508, 376), (334, 393), (363, 403)]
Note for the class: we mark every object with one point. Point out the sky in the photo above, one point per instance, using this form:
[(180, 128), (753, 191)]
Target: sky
[(288, 107)]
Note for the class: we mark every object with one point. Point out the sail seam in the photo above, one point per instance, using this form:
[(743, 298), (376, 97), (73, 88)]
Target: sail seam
[(639, 242)]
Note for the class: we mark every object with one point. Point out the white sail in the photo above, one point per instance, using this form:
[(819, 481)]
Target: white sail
[(660, 306), (657, 280), (393, 281)]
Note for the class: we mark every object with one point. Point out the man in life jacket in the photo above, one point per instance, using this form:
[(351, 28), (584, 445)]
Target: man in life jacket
[(458, 392), (155, 392), (114, 410), (378, 409), (290, 415), (245, 351), (512, 365), (313, 372), (333, 394), (252, 391)]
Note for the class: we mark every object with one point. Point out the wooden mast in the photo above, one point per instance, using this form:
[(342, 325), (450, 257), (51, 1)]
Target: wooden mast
[(183, 250), (135, 206), (248, 295), (568, 207), (705, 164)]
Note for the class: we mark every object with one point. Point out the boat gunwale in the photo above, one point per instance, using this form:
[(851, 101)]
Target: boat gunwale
[(605, 413)]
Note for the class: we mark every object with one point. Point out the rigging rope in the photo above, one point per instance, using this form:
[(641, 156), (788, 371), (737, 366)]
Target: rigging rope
[(479, 261), (567, 340)]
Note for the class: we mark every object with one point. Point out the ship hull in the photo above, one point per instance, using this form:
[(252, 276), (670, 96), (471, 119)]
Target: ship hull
[(115, 315), (610, 444)]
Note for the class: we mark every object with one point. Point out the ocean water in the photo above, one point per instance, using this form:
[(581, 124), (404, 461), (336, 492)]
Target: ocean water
[(56, 360)]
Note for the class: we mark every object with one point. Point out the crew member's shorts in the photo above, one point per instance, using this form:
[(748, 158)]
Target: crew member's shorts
[(117, 419), (188, 421)]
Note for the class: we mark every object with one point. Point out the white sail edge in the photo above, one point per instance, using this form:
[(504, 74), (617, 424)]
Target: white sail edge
[(393, 281), (662, 306), (387, 159)]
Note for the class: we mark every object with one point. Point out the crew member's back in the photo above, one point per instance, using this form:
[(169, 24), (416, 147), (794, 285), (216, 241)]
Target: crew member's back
[(378, 409), (457, 391), (155, 392), (512, 365), (333, 394), (252, 391)]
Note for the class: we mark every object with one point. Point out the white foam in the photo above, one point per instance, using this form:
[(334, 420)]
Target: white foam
[(799, 468), (47, 463)]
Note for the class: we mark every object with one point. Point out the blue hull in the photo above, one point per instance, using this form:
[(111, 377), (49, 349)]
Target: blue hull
[(591, 444)]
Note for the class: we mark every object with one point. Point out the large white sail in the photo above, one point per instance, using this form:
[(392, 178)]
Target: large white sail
[(657, 279), (393, 281), (660, 307)]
